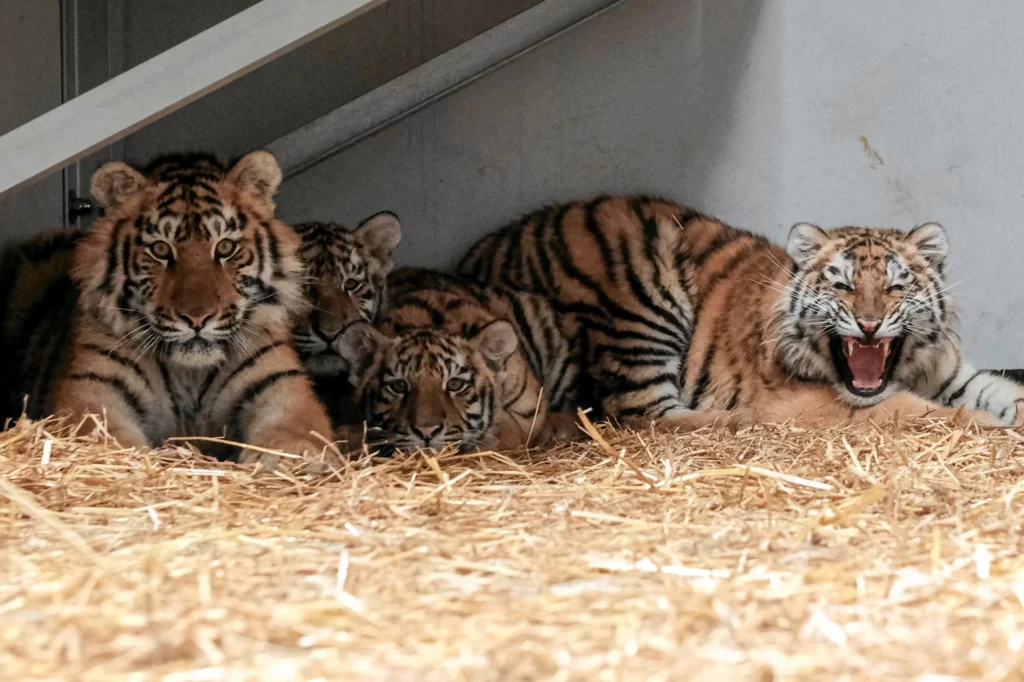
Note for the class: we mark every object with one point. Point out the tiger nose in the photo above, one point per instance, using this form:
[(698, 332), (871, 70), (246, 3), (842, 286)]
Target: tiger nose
[(869, 325), (196, 321), (428, 433)]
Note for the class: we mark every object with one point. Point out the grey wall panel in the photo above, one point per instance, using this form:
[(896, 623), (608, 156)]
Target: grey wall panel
[(300, 86), (763, 113), (30, 85)]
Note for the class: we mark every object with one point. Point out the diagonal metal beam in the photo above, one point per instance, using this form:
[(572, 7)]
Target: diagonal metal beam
[(431, 81), (166, 83)]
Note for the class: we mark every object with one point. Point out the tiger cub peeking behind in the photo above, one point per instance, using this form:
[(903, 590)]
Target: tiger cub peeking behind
[(186, 292), (346, 282)]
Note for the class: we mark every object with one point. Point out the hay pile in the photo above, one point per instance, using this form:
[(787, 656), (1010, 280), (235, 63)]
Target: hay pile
[(885, 553)]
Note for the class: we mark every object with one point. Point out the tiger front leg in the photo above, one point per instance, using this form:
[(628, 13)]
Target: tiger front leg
[(985, 391), (101, 403), (288, 419), (910, 406)]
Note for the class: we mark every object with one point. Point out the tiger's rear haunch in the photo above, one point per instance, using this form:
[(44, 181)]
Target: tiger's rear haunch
[(616, 269), (439, 330), (37, 309), (188, 290), (855, 318), (346, 281)]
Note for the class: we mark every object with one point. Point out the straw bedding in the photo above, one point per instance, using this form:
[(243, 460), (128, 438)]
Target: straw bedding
[(889, 552)]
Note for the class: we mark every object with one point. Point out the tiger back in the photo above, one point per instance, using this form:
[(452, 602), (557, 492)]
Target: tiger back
[(346, 281), (186, 292)]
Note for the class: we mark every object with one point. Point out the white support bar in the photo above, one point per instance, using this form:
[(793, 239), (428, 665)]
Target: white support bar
[(166, 83), (429, 82)]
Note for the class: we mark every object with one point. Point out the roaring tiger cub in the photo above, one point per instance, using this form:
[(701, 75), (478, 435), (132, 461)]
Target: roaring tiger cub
[(680, 312), (184, 297), (346, 281), (457, 362)]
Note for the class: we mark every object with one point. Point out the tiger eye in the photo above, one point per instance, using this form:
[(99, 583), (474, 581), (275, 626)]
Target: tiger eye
[(397, 386), (161, 250), (457, 385), (352, 285), (225, 247)]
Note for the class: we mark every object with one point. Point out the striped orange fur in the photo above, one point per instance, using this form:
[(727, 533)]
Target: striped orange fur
[(679, 313)]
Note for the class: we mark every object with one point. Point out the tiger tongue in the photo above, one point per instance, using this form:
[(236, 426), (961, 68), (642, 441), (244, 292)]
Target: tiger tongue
[(867, 363)]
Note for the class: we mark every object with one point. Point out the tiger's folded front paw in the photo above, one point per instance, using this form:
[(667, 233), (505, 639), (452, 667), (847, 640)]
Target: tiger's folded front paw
[(312, 456), (719, 420)]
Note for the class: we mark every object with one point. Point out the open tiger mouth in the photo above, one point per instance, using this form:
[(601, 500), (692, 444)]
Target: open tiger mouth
[(865, 368)]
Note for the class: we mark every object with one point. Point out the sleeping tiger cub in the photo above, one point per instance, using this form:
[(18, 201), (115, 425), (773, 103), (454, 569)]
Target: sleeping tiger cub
[(680, 312), (454, 362), (346, 281), (186, 292)]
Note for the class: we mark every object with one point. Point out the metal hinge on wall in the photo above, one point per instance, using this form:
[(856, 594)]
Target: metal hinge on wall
[(77, 207)]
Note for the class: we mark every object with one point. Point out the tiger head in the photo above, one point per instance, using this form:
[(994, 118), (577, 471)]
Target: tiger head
[(346, 281), (188, 260), (865, 308), (426, 388)]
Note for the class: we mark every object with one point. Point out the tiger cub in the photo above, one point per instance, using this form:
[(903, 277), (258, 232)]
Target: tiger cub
[(679, 312), (184, 295), (346, 281), (456, 362)]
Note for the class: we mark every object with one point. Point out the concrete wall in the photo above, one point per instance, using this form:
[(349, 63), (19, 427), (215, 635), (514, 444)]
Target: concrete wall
[(304, 84), (762, 113), (30, 85), (279, 97)]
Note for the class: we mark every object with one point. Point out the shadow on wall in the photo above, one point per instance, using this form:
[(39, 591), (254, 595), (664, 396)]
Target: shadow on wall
[(642, 98), (727, 33)]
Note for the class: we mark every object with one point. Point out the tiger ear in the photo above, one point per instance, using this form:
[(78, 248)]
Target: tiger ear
[(114, 182), (931, 242), (258, 173), (496, 342), (380, 234), (805, 240), (358, 346)]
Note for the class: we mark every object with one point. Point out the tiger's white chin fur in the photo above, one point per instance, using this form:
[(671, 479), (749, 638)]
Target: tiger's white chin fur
[(196, 354), (856, 400)]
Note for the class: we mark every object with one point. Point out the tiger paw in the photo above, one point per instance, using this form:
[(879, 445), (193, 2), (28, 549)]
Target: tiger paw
[(967, 417), (962, 417), (718, 420), (310, 457), (562, 427)]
